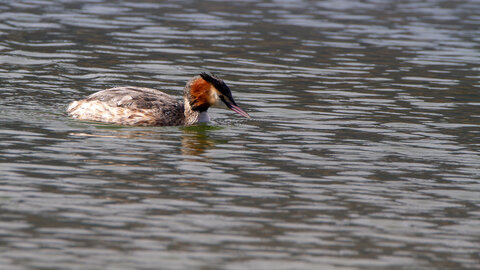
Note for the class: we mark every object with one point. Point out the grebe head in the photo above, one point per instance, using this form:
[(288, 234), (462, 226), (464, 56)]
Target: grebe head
[(206, 90)]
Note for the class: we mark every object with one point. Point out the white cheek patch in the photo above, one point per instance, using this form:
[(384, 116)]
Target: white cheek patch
[(214, 95)]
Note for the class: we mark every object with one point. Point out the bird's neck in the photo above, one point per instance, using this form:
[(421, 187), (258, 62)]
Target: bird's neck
[(192, 117)]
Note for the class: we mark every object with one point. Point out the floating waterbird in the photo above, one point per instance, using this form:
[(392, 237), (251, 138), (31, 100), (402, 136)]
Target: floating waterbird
[(140, 106)]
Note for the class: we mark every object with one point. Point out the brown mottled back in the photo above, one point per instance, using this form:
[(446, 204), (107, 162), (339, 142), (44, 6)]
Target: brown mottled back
[(130, 106)]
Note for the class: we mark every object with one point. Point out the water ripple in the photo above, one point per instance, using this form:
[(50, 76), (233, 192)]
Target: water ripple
[(362, 150)]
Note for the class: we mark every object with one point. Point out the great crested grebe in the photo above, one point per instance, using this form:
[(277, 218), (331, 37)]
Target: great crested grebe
[(150, 107)]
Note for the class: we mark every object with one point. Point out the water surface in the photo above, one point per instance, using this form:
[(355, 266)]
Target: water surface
[(363, 150)]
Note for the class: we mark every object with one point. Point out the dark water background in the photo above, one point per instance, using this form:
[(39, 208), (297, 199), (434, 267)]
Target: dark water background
[(363, 150)]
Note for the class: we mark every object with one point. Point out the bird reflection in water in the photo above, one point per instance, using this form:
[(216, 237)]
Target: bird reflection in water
[(196, 140)]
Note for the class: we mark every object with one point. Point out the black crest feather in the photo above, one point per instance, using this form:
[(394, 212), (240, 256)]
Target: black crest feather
[(218, 83), (211, 78)]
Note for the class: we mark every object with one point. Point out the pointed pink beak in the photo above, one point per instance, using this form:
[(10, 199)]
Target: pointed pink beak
[(233, 106), (238, 110)]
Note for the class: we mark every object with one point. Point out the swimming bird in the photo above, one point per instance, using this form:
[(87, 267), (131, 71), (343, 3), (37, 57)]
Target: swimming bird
[(140, 106)]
